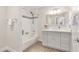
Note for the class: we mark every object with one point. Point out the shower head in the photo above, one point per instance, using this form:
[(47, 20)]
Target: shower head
[(31, 13)]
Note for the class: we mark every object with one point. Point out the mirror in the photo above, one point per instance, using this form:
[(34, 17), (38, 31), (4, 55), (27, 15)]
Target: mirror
[(61, 19), (51, 20)]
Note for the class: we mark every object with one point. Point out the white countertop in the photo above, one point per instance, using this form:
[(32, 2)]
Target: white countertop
[(58, 30)]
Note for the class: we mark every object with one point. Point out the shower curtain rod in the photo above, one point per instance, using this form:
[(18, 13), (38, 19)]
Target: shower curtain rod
[(29, 17)]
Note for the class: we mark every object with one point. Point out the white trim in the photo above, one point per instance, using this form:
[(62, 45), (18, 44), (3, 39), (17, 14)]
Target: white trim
[(7, 48), (3, 49), (10, 49)]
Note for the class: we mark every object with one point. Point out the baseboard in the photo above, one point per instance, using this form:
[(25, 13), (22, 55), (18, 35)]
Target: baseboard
[(10, 49), (7, 49), (3, 49)]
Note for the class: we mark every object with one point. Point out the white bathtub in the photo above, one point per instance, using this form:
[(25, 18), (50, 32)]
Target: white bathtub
[(29, 40)]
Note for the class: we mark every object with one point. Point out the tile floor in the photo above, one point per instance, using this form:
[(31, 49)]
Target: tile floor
[(38, 47)]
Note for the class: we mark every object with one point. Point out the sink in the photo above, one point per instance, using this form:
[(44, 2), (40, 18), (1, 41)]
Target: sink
[(59, 29), (65, 29)]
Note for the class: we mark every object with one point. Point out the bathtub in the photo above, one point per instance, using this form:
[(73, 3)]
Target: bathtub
[(29, 40)]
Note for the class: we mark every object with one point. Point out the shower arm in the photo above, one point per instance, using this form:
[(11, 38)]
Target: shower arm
[(30, 17)]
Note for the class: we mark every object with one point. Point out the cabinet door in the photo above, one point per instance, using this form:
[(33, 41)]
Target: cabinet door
[(65, 41), (44, 38), (54, 39)]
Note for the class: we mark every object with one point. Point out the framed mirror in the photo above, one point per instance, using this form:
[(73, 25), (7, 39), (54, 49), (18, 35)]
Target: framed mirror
[(61, 19), (51, 20)]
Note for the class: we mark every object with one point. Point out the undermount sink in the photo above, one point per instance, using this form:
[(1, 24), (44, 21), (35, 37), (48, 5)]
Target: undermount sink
[(65, 29)]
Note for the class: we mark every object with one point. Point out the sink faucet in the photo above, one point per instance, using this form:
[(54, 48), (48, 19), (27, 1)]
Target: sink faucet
[(60, 24)]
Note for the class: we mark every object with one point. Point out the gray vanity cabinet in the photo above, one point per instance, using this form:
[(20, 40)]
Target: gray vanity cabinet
[(57, 40)]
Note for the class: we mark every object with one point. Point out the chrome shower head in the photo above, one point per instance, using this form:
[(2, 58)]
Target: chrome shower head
[(31, 13)]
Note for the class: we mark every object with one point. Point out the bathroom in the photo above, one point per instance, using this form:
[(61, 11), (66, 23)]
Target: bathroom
[(39, 29)]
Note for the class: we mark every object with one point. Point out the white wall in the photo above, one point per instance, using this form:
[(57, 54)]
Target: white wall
[(14, 37), (2, 26)]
